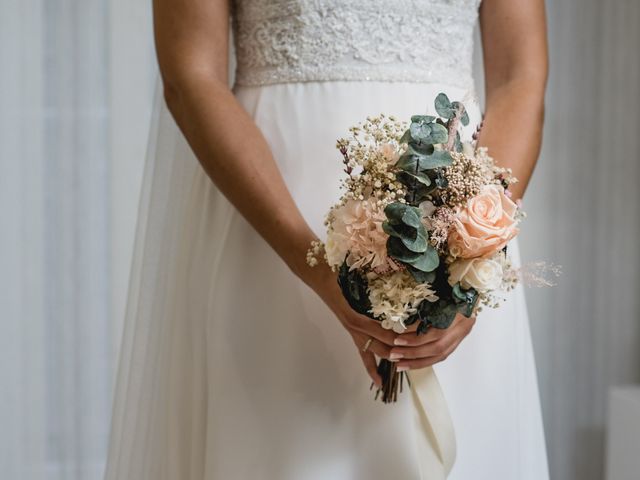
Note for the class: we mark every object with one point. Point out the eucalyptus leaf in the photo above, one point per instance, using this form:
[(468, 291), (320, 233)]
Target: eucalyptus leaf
[(439, 134), (399, 230), (422, 118), (427, 261), (406, 136), (418, 244), (409, 178), (429, 133), (397, 250), (395, 211), (443, 106), (443, 318), (420, 276), (413, 161), (464, 117), (421, 148), (412, 216), (439, 159)]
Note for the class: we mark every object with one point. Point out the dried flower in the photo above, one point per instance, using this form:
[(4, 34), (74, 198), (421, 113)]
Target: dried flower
[(395, 297)]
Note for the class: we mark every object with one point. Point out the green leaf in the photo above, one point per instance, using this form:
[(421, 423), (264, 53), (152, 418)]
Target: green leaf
[(439, 159), (399, 230), (354, 288), (413, 160), (406, 136), (443, 106), (439, 134), (438, 314), (398, 212), (422, 118), (396, 249), (443, 318), (428, 133), (420, 276), (458, 292), (409, 178), (465, 299), (426, 262), (447, 109), (412, 216), (440, 180), (395, 211), (464, 117), (418, 244)]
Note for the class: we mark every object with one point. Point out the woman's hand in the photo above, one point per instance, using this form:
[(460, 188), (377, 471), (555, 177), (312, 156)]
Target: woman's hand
[(419, 351), (408, 349), (361, 328)]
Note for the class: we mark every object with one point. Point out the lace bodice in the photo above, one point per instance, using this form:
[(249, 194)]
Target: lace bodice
[(280, 41)]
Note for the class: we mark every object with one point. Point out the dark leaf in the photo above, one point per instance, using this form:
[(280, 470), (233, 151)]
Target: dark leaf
[(354, 288)]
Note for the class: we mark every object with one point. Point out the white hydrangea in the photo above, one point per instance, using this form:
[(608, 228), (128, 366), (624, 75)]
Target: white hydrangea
[(395, 297)]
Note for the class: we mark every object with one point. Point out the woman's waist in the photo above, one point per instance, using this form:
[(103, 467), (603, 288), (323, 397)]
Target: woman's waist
[(391, 73)]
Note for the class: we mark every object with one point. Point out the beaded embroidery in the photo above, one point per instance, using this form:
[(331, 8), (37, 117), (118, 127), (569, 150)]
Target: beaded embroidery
[(279, 41)]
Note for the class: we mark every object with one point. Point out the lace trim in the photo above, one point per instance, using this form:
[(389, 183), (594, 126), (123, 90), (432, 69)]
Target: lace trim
[(323, 40)]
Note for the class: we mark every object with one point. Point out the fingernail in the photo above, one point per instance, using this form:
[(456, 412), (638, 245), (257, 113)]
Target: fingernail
[(395, 356), (400, 341), (402, 368)]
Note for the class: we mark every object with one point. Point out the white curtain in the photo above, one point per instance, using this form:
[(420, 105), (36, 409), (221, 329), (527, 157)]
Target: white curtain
[(584, 206), (75, 91)]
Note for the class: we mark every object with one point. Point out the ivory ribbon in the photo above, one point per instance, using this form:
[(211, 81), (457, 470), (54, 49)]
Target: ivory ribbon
[(436, 439)]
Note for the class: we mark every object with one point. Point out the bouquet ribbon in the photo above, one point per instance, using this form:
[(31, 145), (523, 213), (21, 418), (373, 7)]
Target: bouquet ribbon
[(438, 441)]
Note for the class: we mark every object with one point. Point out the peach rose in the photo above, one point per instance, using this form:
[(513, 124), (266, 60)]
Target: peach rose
[(484, 225)]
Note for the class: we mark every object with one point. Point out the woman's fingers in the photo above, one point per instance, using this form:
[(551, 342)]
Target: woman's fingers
[(432, 349), (380, 349), (411, 339), (434, 352), (370, 364), (372, 328), (415, 363)]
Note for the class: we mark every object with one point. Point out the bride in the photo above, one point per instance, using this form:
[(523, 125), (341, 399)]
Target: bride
[(238, 360)]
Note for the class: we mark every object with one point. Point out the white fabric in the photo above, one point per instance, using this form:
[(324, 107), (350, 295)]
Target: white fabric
[(280, 41), (232, 368)]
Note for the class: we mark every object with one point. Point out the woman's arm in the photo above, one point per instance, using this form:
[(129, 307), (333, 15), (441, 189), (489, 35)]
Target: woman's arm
[(514, 44), (192, 46), (515, 57)]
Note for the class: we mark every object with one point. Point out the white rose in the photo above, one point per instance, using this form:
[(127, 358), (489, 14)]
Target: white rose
[(480, 273), (336, 247)]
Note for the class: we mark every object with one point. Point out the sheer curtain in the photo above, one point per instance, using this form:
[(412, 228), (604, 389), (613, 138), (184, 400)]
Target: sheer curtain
[(75, 92), (583, 206)]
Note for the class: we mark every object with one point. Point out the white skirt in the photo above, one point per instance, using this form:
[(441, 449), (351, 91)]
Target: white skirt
[(231, 368)]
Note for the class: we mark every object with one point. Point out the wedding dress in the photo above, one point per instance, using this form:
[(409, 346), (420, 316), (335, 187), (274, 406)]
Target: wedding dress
[(231, 368)]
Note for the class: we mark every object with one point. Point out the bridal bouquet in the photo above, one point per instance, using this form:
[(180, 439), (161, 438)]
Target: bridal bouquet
[(420, 232)]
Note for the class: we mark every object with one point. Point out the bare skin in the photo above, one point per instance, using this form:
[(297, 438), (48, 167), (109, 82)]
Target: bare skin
[(192, 44)]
